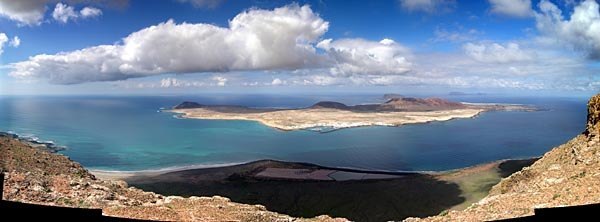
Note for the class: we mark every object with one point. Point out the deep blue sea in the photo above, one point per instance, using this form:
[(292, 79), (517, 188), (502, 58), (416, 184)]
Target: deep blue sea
[(127, 133)]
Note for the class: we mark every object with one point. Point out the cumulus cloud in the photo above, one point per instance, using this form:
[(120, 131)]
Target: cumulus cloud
[(31, 12), (3, 40), (581, 30), (278, 82), (255, 40), (15, 42), (25, 12), (359, 56), (203, 3), (511, 8), (90, 12), (428, 6), (279, 39), (497, 53), (220, 80), (63, 13)]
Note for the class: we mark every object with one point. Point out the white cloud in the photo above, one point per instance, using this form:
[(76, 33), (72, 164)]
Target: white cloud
[(3, 40), (428, 6), (221, 81), (71, 67), (320, 80), (581, 30), (255, 40), (278, 82), (176, 83), (511, 8), (15, 42), (63, 13), (497, 53), (169, 82), (547, 67), (25, 12), (203, 3), (255, 83), (31, 12), (358, 56), (90, 12), (280, 39), (470, 81)]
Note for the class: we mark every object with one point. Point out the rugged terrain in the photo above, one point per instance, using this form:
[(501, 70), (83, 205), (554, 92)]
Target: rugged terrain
[(567, 175), (307, 190), (35, 175), (328, 115)]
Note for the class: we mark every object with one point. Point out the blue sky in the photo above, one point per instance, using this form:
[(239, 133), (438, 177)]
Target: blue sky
[(196, 46)]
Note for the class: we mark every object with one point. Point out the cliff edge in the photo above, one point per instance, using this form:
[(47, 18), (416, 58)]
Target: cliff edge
[(567, 175)]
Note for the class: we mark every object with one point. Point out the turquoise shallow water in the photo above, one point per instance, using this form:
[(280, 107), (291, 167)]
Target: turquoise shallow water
[(127, 133)]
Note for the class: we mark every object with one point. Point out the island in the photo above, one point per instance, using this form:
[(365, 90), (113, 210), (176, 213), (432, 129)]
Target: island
[(326, 116)]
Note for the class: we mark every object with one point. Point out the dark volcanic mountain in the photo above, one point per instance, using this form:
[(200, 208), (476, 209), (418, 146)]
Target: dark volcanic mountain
[(329, 105), (418, 104), (188, 105), (410, 104)]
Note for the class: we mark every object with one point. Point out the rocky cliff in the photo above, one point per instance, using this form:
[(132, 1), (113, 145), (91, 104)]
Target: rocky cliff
[(34, 175), (565, 176)]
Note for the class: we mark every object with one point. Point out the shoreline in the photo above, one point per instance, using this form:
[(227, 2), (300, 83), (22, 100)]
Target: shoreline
[(122, 174), (126, 174), (34, 141)]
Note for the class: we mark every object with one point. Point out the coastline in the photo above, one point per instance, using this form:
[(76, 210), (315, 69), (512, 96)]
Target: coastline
[(123, 174), (34, 141)]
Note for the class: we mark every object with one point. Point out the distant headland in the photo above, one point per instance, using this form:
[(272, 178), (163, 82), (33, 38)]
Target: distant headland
[(325, 116)]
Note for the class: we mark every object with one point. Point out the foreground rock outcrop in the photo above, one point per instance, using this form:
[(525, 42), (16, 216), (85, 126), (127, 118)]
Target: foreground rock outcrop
[(565, 176), (34, 175)]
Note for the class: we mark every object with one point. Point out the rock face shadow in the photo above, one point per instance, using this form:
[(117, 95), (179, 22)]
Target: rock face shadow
[(413, 195)]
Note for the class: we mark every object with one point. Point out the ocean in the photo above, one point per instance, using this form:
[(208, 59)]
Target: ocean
[(130, 133)]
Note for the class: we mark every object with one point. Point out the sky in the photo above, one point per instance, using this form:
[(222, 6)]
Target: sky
[(517, 47)]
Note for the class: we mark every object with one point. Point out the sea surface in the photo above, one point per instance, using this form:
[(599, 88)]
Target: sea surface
[(130, 133)]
